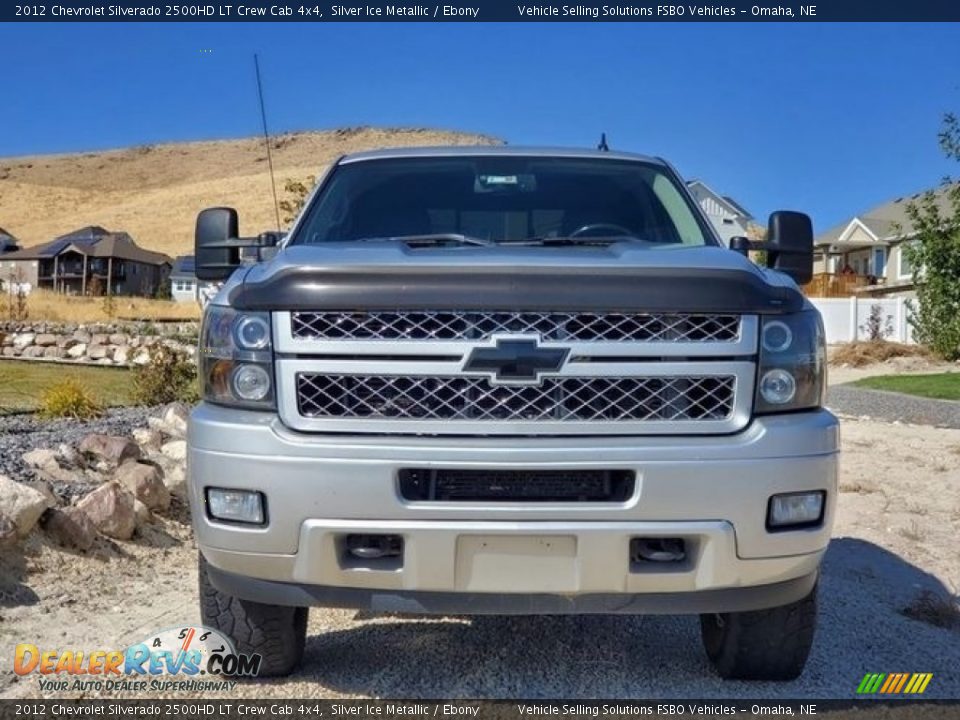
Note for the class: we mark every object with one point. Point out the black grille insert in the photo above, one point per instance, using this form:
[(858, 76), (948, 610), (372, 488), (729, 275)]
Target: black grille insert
[(425, 484)]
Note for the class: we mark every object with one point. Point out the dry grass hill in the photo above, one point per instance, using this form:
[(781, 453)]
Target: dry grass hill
[(155, 191)]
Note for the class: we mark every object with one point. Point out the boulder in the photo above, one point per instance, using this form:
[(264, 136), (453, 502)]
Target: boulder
[(45, 340), (82, 337), (149, 439), (99, 339), (77, 350), (110, 507), (69, 456), (175, 478), (121, 356), (175, 450), (111, 448), (141, 358), (10, 351), (145, 482), (23, 340), (33, 351), (67, 341), (22, 504), (53, 352), (42, 458), (98, 352), (175, 417), (71, 527), (119, 339)]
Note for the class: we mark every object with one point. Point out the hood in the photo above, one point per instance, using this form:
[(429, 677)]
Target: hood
[(621, 277)]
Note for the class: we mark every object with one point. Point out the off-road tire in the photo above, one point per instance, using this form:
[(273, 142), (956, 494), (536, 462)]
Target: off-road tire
[(768, 644), (276, 632)]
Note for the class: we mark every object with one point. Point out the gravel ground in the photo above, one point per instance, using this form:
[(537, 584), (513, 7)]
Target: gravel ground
[(22, 433), (893, 407)]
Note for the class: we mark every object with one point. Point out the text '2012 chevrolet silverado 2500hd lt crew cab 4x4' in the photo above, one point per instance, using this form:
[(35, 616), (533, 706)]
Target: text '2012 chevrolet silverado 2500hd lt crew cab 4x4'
[(511, 381)]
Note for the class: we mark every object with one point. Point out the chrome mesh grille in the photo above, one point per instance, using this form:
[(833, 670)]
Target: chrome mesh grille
[(465, 398), (468, 325)]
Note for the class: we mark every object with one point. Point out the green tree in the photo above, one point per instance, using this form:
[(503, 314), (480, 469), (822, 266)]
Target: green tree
[(297, 191), (933, 249)]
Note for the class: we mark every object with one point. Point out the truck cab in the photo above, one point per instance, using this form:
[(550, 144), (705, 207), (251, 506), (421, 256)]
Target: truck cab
[(499, 380)]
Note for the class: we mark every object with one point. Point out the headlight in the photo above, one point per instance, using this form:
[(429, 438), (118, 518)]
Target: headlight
[(236, 360), (792, 370)]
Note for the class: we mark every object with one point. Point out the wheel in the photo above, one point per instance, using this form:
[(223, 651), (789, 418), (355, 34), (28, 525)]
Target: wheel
[(768, 644), (276, 632)]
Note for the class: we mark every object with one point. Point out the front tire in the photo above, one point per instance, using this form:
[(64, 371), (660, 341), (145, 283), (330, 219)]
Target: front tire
[(770, 644), (276, 632)]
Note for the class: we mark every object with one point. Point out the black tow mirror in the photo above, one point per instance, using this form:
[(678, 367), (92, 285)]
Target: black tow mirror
[(218, 247), (789, 244)]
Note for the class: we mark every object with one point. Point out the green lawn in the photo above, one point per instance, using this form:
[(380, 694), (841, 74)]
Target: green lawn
[(22, 383), (944, 386)]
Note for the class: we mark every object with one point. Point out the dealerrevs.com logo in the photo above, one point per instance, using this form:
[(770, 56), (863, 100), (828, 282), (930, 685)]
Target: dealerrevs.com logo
[(170, 660)]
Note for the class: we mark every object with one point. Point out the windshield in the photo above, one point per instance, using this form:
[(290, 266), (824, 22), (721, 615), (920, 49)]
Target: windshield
[(502, 199)]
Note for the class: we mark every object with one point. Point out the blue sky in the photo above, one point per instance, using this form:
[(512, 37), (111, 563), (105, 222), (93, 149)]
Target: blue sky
[(826, 118)]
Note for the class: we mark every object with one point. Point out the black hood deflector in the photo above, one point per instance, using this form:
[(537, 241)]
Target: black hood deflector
[(653, 289)]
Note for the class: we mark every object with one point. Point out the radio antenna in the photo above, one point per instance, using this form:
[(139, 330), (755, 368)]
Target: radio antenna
[(266, 140)]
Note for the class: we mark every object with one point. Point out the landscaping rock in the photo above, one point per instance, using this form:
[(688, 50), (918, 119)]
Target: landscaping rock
[(110, 448), (8, 532), (175, 418), (98, 352), (34, 351), (82, 337), (10, 351), (146, 484), (110, 507), (142, 513), (67, 342), (121, 356), (69, 456), (141, 358), (175, 449), (78, 350), (22, 504), (23, 340), (45, 340), (149, 439), (42, 458), (99, 339), (119, 339), (54, 352), (71, 527), (175, 478)]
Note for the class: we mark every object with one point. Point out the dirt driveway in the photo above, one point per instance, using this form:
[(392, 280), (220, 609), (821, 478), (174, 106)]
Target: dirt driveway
[(899, 520)]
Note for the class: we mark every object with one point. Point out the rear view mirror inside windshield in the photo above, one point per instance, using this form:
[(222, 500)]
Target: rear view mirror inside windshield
[(505, 183)]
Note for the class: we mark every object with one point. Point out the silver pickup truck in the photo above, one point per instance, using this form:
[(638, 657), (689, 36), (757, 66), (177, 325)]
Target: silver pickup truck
[(511, 381)]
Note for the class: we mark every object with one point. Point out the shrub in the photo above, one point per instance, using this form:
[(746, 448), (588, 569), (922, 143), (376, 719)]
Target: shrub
[(69, 399), (877, 327), (170, 375)]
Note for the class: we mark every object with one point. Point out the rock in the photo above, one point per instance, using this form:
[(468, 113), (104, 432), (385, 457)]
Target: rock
[(22, 504), (121, 356), (71, 527), (82, 337), (110, 507), (149, 439), (175, 478), (111, 448), (8, 532), (78, 350), (67, 342), (33, 351), (10, 351), (99, 339), (146, 484), (69, 456), (23, 340), (42, 458), (175, 417), (98, 352), (45, 340), (118, 339), (142, 513), (175, 449), (53, 352), (141, 358)]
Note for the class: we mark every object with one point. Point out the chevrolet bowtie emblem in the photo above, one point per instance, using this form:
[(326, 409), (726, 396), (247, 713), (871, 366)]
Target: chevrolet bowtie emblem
[(515, 361)]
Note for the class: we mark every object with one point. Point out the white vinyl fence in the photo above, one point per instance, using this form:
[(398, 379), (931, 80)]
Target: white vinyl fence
[(845, 319)]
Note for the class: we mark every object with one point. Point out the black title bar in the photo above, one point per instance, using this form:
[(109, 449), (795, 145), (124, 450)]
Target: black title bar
[(483, 11)]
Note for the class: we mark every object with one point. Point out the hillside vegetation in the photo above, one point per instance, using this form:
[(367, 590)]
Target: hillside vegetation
[(155, 191)]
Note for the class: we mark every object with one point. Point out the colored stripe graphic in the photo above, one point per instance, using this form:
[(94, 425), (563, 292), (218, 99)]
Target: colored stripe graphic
[(894, 683)]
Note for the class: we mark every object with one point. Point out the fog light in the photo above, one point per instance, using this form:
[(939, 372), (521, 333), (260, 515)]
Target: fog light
[(243, 506), (793, 510), (778, 387)]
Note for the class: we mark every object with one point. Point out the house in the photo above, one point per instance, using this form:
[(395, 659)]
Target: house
[(728, 217), (864, 254), (8, 243), (183, 280), (91, 260)]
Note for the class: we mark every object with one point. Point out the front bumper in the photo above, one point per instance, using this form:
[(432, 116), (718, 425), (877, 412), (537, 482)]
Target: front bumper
[(513, 557)]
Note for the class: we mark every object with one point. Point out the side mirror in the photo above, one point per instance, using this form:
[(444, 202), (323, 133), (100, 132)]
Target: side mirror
[(789, 245), (215, 257), (218, 247)]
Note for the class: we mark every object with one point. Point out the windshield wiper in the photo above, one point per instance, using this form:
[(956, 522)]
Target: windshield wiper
[(433, 239), (572, 241)]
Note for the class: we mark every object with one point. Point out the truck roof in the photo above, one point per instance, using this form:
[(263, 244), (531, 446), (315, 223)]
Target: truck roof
[(494, 150)]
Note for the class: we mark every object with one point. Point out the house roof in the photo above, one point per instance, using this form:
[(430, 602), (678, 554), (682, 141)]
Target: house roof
[(884, 222), (93, 241), (184, 268), (732, 205)]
